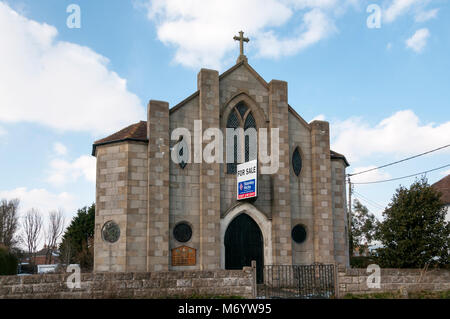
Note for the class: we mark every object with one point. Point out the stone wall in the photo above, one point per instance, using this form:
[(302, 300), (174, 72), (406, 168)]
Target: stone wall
[(131, 285), (354, 281)]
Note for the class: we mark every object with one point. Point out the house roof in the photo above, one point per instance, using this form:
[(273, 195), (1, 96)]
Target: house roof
[(135, 132), (336, 155), (443, 186)]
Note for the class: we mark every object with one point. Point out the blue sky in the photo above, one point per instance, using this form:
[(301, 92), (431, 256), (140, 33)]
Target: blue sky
[(384, 90)]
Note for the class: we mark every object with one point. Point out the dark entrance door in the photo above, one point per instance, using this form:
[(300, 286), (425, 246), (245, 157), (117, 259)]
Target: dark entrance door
[(244, 243)]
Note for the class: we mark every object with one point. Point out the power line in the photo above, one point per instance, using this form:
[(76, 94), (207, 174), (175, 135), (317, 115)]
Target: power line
[(374, 203), (403, 160), (368, 203), (399, 178)]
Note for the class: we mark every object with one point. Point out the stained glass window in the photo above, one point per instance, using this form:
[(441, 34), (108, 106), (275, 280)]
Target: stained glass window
[(249, 123), (297, 162), (242, 108), (233, 122)]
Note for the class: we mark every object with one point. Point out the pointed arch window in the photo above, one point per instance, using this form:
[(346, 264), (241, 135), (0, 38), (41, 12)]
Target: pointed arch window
[(241, 117)]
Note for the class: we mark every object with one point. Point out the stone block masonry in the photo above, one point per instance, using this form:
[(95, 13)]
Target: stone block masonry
[(138, 285), (158, 189), (354, 281)]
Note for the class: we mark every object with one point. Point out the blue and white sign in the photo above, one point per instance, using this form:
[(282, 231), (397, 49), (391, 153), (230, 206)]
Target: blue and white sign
[(247, 180)]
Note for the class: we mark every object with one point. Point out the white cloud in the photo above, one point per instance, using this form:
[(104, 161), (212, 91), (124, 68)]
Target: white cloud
[(394, 135), (376, 175), (60, 149), (202, 31), (446, 173), (419, 40), (62, 172), (424, 16), (319, 117), (398, 8), (41, 199), (58, 84), (316, 26)]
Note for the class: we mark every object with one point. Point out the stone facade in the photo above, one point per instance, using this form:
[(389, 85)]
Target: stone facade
[(137, 285), (142, 190)]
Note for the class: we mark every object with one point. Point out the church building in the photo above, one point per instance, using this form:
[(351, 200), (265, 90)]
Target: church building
[(154, 214)]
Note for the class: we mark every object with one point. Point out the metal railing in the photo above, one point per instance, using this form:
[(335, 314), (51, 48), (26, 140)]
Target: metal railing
[(298, 281)]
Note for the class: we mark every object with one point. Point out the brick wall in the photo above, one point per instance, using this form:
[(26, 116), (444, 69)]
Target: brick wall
[(130, 285), (354, 281)]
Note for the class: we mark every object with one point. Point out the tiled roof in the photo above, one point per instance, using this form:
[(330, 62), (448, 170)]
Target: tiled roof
[(443, 186), (134, 132)]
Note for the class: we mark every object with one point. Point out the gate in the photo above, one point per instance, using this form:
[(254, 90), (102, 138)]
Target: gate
[(298, 281)]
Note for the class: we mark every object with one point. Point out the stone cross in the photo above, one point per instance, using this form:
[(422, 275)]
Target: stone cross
[(241, 40)]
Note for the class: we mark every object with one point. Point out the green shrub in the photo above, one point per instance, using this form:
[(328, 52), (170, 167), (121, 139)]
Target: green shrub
[(8, 263), (362, 261)]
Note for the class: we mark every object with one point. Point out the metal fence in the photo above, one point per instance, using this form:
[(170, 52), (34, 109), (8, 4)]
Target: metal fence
[(298, 281)]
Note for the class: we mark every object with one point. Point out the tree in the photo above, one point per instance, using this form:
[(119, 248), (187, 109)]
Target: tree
[(32, 226), (77, 243), (8, 262), (363, 227), (54, 231), (9, 223), (414, 232)]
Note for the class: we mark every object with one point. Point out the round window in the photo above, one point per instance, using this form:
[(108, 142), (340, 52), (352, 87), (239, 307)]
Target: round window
[(182, 232), (110, 232), (299, 234)]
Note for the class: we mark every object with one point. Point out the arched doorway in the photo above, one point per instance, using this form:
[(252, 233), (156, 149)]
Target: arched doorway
[(244, 243)]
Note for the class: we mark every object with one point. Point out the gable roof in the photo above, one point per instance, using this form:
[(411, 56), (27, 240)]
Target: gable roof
[(138, 131), (443, 186), (135, 132)]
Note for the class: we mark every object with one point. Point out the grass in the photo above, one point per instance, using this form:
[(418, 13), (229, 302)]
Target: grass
[(398, 295)]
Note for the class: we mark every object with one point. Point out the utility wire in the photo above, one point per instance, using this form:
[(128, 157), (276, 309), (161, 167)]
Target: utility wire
[(374, 203), (403, 160), (399, 178), (362, 200)]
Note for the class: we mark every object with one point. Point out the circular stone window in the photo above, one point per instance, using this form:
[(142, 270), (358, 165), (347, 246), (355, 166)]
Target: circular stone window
[(182, 232), (299, 234), (110, 232)]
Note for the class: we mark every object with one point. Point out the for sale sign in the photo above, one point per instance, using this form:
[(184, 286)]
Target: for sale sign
[(247, 180)]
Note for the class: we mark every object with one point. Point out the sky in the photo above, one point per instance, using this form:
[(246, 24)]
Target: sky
[(378, 71)]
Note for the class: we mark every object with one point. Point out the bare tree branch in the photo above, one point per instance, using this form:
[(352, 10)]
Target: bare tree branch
[(32, 227), (53, 233)]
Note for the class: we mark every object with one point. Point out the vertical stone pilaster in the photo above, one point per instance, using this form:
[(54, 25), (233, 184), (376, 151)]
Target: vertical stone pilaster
[(158, 189), (322, 192), (111, 205), (281, 210), (209, 113)]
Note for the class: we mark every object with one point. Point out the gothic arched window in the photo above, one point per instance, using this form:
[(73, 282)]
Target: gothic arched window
[(241, 117)]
